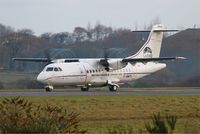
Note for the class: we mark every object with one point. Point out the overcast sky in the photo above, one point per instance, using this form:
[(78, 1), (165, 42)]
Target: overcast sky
[(63, 15)]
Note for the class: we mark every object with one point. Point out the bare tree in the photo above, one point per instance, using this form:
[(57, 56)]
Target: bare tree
[(4, 30), (26, 31), (100, 31), (46, 36), (80, 34), (12, 45)]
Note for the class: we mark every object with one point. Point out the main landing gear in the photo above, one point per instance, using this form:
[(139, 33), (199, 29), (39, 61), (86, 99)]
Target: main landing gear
[(48, 88), (113, 88)]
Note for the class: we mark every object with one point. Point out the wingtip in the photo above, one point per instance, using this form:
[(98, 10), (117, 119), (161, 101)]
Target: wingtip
[(182, 58), (13, 59)]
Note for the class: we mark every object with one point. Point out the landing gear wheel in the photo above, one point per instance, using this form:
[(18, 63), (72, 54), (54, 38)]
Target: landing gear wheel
[(84, 88), (48, 88), (113, 88)]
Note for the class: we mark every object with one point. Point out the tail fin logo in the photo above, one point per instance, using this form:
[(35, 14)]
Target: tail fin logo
[(147, 53)]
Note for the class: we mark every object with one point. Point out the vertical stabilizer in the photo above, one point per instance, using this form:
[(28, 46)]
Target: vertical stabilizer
[(151, 49)]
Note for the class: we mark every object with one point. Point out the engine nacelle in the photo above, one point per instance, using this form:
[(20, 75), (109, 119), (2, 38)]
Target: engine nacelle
[(115, 64)]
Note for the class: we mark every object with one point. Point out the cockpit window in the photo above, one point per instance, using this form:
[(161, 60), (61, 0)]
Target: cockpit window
[(56, 69), (49, 69), (60, 69)]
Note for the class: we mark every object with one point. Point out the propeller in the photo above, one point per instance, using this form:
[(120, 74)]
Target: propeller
[(104, 62)]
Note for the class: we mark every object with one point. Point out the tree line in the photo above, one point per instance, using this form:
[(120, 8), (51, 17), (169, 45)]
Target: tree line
[(23, 42)]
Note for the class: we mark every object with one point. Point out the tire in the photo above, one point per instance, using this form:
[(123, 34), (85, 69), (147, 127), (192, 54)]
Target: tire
[(113, 88), (84, 89), (49, 88)]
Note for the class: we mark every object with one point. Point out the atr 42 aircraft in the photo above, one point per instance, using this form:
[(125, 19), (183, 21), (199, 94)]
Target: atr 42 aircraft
[(110, 72)]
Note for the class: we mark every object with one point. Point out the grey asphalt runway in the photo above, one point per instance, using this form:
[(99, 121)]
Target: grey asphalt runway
[(95, 93)]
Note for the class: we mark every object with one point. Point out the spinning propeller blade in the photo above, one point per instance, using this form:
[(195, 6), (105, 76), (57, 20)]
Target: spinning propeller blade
[(104, 62)]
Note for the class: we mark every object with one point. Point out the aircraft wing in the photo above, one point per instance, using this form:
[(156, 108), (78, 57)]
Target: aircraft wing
[(152, 59), (33, 59), (50, 60)]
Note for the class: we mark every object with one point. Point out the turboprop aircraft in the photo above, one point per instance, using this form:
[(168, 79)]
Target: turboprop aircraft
[(98, 72)]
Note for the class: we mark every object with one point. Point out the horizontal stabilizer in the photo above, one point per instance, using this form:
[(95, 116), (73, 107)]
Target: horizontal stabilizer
[(152, 59), (160, 30)]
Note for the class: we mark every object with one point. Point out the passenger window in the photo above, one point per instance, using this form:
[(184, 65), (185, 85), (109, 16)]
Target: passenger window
[(56, 69), (49, 69)]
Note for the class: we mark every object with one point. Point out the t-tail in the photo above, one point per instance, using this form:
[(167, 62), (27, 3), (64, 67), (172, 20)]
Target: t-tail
[(151, 49)]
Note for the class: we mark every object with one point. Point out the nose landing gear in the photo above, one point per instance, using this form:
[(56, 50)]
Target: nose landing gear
[(48, 88), (84, 88)]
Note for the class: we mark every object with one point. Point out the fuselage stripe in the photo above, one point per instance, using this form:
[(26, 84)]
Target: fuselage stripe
[(63, 76), (107, 74)]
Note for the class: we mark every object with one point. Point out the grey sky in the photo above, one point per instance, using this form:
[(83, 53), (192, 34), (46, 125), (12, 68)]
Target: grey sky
[(63, 15)]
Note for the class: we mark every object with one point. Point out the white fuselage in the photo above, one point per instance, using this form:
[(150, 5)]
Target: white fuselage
[(87, 72)]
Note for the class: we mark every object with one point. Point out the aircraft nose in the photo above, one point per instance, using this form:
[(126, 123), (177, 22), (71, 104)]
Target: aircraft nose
[(40, 77)]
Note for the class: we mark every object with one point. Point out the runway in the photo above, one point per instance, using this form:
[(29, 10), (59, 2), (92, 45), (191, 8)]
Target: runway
[(96, 93)]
